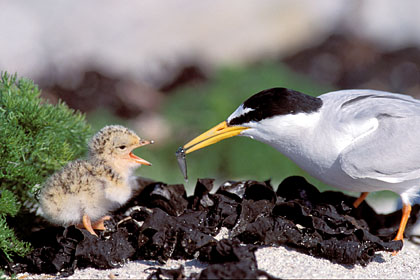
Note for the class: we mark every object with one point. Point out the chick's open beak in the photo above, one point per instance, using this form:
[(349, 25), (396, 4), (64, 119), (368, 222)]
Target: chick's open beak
[(212, 136), (137, 159)]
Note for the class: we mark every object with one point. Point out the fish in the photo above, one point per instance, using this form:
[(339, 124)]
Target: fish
[(182, 162)]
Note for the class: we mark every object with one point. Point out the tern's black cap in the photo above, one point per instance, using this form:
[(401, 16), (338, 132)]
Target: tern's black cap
[(276, 101)]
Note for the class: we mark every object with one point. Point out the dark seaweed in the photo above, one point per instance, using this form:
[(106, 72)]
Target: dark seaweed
[(162, 222)]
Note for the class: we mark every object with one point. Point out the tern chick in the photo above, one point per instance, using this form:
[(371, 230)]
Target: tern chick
[(85, 191), (355, 140)]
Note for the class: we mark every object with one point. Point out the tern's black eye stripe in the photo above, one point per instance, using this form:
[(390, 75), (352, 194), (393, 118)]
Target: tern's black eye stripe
[(276, 101)]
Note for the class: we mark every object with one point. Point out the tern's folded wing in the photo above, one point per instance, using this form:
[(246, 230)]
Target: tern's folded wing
[(390, 153)]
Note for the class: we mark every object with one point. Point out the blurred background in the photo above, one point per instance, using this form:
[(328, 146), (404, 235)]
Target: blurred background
[(172, 69)]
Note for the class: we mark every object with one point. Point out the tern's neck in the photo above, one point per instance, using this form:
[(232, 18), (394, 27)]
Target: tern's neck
[(286, 133), (295, 136)]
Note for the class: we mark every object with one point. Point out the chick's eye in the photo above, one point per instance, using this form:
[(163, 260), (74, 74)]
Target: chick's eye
[(122, 147)]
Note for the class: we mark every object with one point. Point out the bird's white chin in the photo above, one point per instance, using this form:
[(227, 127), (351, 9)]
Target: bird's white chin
[(125, 168), (261, 137)]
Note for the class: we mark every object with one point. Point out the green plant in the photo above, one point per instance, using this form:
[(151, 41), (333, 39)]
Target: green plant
[(36, 138), (9, 244)]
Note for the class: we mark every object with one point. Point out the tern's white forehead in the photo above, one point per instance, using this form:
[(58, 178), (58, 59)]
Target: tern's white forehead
[(240, 111)]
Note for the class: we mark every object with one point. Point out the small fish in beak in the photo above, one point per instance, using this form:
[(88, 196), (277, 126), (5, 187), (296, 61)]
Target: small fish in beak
[(182, 163), (210, 137)]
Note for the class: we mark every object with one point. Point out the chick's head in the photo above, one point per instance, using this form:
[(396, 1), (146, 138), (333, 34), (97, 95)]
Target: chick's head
[(115, 144)]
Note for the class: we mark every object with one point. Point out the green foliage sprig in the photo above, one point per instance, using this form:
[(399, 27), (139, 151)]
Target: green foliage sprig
[(9, 244), (36, 138)]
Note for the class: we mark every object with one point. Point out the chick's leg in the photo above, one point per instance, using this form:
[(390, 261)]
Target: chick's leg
[(99, 224), (88, 225)]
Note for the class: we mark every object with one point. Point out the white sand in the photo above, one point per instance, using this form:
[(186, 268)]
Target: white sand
[(287, 263), (280, 262)]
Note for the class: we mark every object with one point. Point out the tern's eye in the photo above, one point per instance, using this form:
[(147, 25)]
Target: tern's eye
[(122, 147)]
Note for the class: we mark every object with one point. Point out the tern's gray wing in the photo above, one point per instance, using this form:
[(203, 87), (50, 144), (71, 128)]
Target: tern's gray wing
[(390, 149)]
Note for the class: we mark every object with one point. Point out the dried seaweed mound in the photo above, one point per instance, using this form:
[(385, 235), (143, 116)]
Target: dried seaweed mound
[(162, 222)]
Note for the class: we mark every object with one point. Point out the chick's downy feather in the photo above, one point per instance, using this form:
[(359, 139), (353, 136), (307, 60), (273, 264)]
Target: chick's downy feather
[(97, 185)]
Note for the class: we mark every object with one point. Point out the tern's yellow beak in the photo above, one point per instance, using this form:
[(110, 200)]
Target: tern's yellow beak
[(212, 136)]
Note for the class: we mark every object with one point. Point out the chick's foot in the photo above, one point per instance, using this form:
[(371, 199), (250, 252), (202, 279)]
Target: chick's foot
[(99, 224), (86, 224)]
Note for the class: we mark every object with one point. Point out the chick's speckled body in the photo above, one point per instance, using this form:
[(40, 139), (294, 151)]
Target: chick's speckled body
[(86, 190)]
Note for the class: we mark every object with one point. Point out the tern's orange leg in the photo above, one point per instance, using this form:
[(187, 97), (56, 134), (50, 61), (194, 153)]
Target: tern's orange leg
[(362, 197), (99, 224), (405, 215)]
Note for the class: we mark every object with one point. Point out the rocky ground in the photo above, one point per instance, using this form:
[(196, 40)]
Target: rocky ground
[(243, 230)]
